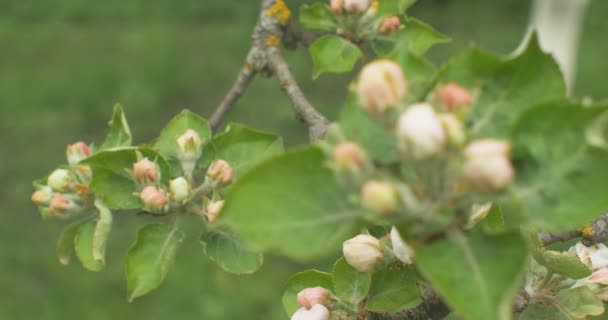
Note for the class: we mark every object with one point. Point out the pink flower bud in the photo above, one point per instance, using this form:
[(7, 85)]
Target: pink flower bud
[(61, 205), (337, 6), (317, 312), (213, 210), (60, 180), (382, 85), (356, 6), (348, 156), (146, 171), (154, 199), (180, 189), (363, 252), (380, 197), (311, 296), (487, 165), (420, 133), (42, 196), (454, 97), (77, 152), (390, 24), (220, 173), (189, 150)]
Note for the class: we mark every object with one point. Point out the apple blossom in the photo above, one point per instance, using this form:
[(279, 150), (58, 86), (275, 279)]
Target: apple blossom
[(381, 197), (363, 252), (309, 297), (420, 132), (77, 152), (381, 86)]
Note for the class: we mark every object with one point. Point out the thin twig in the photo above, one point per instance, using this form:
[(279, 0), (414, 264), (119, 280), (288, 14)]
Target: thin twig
[(591, 234), (243, 80)]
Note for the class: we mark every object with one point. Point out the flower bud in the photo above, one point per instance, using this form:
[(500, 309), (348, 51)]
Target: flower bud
[(146, 171), (337, 6), (213, 210), (317, 312), (61, 205), (454, 97), (401, 249), (180, 189), (420, 133), (308, 297), (453, 129), (348, 156), (189, 150), (380, 197), (220, 173), (595, 257), (60, 180), (363, 252), (390, 24), (487, 165), (154, 199), (42, 196), (356, 6), (382, 85), (77, 152)]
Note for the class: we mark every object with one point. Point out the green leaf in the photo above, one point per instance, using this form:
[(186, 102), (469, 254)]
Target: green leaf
[(507, 86), (83, 243), (113, 180), (318, 16), (333, 54), (150, 258), (301, 281), (103, 226), (228, 251), (576, 303), (561, 181), (166, 142), (375, 139), (65, 242), (416, 37), (394, 7), (349, 284), (120, 134), (242, 147), (291, 203), (392, 288), (561, 262), (494, 223), (542, 311), (484, 274)]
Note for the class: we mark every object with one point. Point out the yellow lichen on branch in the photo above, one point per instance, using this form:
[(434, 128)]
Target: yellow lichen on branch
[(273, 41), (279, 11), (587, 231)]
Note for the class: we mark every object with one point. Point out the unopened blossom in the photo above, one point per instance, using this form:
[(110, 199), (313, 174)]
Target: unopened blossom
[(60, 180), (379, 196), (154, 199), (213, 210), (390, 24), (487, 165), (337, 6), (189, 150), (220, 173), (61, 204), (77, 152), (454, 97), (146, 171), (309, 297), (381, 86), (356, 6), (180, 189), (350, 157), (420, 132), (42, 196), (401, 249), (363, 252), (317, 312)]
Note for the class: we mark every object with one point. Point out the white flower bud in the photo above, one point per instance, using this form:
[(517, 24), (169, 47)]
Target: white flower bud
[(60, 180), (220, 173), (61, 205), (454, 129), (356, 6), (420, 132), (454, 97), (390, 24), (42, 196), (77, 152), (154, 199), (487, 165), (180, 189), (213, 210), (349, 157), (317, 312), (189, 150), (363, 252), (382, 85), (402, 250), (308, 297), (337, 6), (146, 171), (595, 257), (380, 197)]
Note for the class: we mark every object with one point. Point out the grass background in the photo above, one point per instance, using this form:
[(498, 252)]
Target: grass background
[(64, 63)]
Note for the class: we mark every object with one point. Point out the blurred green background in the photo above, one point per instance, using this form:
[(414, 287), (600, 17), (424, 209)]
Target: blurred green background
[(64, 63)]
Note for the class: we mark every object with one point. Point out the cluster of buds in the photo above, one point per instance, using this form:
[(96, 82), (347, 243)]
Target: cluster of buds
[(381, 87), (487, 165), (66, 192), (350, 6), (363, 252), (189, 150), (219, 174), (313, 302)]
